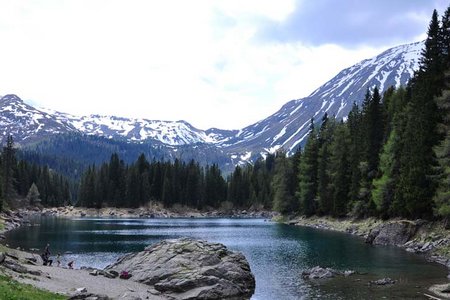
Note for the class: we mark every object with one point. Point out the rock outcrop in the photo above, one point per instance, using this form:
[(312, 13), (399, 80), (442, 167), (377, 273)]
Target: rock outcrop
[(190, 269), (392, 233)]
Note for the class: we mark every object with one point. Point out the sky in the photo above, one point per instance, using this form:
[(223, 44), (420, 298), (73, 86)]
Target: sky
[(214, 63)]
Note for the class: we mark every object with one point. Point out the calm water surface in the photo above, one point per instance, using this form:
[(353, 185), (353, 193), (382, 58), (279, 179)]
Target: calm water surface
[(277, 253)]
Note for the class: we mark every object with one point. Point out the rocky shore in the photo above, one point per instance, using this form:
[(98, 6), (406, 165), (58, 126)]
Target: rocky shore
[(172, 269), (430, 239), (154, 211)]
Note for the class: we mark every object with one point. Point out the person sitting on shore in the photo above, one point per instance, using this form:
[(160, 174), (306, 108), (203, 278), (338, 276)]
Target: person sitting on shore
[(46, 256), (58, 260)]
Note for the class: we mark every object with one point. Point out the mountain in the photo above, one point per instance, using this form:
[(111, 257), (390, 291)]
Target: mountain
[(287, 128), (26, 123), (172, 133)]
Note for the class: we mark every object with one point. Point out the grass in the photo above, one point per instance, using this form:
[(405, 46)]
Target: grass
[(13, 290)]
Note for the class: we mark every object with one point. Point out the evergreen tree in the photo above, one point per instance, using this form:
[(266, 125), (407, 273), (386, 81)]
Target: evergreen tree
[(340, 172), (307, 190), (33, 195), (324, 193), (418, 180), (445, 38), (354, 124), (384, 186), (9, 165), (284, 200), (442, 197)]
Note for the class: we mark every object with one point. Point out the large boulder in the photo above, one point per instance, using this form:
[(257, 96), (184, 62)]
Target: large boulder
[(190, 269), (392, 233)]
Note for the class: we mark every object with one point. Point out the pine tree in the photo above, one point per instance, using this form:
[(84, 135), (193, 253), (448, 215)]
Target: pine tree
[(445, 38), (417, 179), (33, 195), (9, 165), (340, 172), (283, 200), (324, 192), (431, 60), (355, 151), (442, 197), (307, 191), (384, 186)]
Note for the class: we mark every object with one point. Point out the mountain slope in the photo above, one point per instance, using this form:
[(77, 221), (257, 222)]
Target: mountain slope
[(289, 126), (26, 123)]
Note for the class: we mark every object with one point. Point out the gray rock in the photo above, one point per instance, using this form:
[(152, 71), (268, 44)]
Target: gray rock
[(36, 273), (14, 266), (190, 269), (383, 281), (392, 233), (113, 273), (320, 273), (81, 290), (89, 296), (2, 257)]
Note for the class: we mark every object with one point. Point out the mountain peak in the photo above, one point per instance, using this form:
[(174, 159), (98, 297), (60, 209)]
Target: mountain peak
[(11, 98)]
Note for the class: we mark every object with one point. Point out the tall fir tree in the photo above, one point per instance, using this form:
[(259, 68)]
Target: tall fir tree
[(324, 192), (307, 190), (340, 172), (283, 200), (442, 196)]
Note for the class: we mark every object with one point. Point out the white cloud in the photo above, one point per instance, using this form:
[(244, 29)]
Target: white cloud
[(192, 60)]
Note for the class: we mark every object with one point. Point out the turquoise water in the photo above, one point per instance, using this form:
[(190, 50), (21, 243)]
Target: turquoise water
[(277, 253)]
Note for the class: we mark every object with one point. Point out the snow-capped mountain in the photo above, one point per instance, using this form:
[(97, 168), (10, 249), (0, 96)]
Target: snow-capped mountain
[(26, 123), (287, 128), (172, 133)]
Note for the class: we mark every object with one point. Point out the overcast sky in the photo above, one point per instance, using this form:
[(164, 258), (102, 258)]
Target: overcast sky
[(213, 63)]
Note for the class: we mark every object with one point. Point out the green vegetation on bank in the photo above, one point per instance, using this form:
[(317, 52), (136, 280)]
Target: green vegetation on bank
[(13, 290)]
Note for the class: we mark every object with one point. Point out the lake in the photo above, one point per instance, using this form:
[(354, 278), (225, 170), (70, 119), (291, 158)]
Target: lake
[(277, 253)]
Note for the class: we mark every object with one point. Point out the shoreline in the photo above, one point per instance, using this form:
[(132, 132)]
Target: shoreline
[(155, 211), (430, 240)]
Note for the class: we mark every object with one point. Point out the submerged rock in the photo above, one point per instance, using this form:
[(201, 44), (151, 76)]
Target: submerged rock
[(392, 233), (190, 269), (383, 281), (318, 272)]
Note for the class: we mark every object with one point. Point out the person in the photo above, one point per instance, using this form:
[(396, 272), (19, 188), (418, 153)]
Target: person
[(47, 250), (46, 256), (70, 264), (58, 259)]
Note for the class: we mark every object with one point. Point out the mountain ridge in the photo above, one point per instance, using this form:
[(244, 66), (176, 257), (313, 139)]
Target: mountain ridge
[(287, 128)]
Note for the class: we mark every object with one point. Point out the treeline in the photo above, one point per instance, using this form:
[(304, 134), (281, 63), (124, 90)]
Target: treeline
[(21, 180), (120, 185), (391, 158)]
